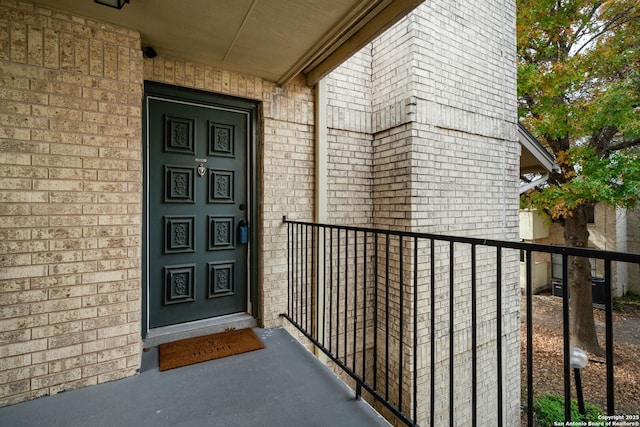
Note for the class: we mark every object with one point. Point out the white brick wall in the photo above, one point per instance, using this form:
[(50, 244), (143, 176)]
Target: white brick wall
[(350, 155)]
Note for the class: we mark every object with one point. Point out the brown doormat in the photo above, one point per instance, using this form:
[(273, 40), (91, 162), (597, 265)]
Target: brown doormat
[(200, 349)]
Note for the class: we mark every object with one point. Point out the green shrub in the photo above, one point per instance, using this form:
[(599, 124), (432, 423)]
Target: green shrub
[(550, 408)]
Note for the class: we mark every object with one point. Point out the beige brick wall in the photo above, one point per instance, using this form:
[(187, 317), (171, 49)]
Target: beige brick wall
[(408, 148), (70, 193), (444, 159), (70, 161)]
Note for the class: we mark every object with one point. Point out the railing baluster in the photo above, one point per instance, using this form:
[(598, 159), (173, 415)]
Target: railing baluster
[(315, 303), (474, 340), (415, 329), (324, 285), (295, 274), (565, 333), (609, 337), (338, 299), (401, 321), (386, 329), (499, 332), (331, 289), (309, 288), (315, 271), (432, 395), (529, 334), (306, 277), (364, 309), (303, 261), (294, 296), (302, 308), (294, 269), (346, 294), (300, 273), (289, 262), (355, 299), (451, 334), (375, 312)]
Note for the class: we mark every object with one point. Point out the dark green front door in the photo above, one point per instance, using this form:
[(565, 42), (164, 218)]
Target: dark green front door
[(197, 187)]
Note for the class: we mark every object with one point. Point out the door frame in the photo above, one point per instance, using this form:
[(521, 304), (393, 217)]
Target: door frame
[(193, 96)]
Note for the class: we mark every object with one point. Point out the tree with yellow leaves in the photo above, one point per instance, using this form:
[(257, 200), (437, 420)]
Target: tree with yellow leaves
[(579, 94)]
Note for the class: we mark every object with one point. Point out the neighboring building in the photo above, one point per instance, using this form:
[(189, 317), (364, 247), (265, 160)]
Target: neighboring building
[(609, 229), (535, 165), (628, 240), (124, 178)]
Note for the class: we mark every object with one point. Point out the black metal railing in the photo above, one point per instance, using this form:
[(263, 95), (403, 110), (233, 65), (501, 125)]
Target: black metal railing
[(394, 310)]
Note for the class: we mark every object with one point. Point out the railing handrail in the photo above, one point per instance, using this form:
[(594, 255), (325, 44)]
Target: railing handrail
[(533, 247)]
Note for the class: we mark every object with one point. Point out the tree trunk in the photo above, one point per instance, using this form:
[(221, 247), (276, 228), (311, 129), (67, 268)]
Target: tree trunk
[(583, 327)]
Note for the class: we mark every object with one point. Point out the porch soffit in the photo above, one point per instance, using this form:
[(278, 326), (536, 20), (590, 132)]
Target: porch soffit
[(534, 158), (272, 39)]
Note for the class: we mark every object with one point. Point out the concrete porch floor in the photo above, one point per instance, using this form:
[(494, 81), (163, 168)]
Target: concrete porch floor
[(281, 385)]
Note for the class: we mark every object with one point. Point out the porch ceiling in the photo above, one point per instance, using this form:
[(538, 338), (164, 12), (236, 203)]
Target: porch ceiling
[(272, 39)]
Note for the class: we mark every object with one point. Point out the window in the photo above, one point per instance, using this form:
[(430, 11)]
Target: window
[(591, 215), (556, 266)]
